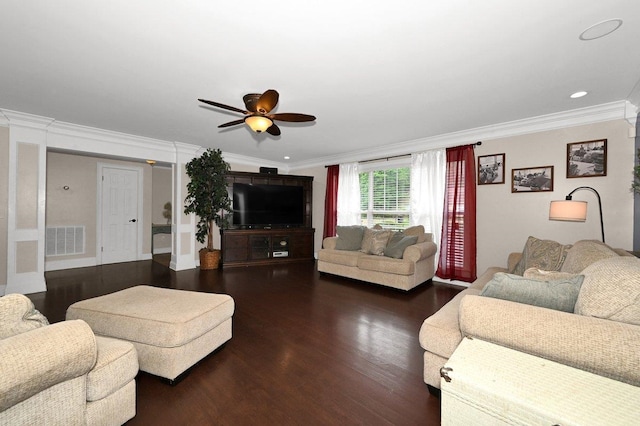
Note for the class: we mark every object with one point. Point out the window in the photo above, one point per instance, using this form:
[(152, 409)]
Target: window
[(385, 198)]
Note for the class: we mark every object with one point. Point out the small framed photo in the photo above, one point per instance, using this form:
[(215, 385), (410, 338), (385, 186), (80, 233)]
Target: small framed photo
[(532, 179), (491, 169), (587, 159)]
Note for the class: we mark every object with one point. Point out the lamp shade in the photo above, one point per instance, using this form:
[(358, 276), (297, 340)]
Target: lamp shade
[(568, 210), (258, 123)]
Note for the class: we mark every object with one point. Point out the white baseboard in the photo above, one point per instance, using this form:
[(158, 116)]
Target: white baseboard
[(56, 265), (163, 250), (452, 282)]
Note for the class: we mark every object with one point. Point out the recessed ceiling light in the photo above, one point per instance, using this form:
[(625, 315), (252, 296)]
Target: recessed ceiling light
[(601, 29), (578, 94), (286, 157)]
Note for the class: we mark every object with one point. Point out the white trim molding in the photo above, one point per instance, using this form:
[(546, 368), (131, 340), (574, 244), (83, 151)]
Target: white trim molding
[(618, 110)]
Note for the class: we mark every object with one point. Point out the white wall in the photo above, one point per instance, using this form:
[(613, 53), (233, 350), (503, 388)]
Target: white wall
[(78, 204), (506, 219), (319, 174)]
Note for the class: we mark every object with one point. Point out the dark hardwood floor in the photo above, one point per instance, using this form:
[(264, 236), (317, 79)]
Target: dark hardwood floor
[(307, 349)]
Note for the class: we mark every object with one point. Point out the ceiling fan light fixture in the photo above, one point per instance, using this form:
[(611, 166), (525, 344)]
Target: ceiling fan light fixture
[(258, 123)]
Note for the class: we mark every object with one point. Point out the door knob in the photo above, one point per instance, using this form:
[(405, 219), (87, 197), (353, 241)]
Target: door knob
[(132, 220)]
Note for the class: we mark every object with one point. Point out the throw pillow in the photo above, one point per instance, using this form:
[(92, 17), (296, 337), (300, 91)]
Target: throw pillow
[(542, 254), (539, 274), (374, 241), (584, 253), (395, 248), (349, 237), (611, 290), (560, 295), (17, 315), (417, 230)]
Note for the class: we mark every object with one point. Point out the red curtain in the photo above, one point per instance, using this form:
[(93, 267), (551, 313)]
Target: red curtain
[(458, 246), (331, 202)]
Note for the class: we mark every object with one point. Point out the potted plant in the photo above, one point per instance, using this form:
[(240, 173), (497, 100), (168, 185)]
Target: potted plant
[(635, 185), (208, 198)]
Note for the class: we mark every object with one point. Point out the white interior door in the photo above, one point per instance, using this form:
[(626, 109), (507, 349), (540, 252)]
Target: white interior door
[(120, 219)]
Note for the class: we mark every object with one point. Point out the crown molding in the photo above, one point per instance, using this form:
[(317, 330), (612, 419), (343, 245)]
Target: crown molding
[(73, 137), (23, 119), (77, 138), (605, 112)]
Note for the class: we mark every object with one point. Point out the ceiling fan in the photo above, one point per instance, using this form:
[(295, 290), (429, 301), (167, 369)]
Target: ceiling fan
[(257, 115)]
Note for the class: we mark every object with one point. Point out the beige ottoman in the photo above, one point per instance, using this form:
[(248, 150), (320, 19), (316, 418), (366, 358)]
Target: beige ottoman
[(170, 329)]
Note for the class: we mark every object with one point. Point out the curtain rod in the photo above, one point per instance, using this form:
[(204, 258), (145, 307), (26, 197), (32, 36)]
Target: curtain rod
[(399, 156)]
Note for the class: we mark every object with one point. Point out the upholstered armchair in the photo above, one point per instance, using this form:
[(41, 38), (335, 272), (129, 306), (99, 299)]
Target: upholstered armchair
[(61, 373)]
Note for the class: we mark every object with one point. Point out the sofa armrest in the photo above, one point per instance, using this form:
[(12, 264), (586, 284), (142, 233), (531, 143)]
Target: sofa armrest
[(35, 360), (604, 347), (420, 251), (329, 243)]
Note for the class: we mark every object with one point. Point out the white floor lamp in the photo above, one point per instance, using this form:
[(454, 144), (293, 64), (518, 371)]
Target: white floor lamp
[(574, 211)]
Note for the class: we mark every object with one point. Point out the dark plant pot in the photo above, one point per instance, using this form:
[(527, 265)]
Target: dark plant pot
[(209, 259)]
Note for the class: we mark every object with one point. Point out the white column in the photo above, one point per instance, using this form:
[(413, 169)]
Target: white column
[(26, 200), (183, 227)]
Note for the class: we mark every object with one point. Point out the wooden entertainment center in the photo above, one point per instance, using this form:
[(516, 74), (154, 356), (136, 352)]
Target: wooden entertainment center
[(246, 246)]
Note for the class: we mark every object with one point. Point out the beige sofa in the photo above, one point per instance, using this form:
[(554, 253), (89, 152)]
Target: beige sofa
[(596, 337), (61, 374), (415, 266)]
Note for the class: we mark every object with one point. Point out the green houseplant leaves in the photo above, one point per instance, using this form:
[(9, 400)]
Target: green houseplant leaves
[(207, 194)]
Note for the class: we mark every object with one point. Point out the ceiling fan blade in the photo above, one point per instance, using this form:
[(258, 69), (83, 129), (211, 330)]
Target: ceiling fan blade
[(267, 101), (232, 123), (223, 106), (251, 101), (274, 130), (286, 116)]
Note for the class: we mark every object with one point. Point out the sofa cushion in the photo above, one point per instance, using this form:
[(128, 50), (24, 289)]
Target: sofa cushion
[(539, 274), (349, 237), (374, 241), (560, 294), (611, 290), (584, 253), (117, 365), (386, 264), (543, 254), (17, 315), (340, 257), (395, 248)]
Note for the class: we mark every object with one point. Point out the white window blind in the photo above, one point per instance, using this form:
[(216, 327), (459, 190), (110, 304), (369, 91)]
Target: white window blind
[(385, 198)]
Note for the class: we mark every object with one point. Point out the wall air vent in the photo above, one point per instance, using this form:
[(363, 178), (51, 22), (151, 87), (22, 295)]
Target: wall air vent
[(64, 240)]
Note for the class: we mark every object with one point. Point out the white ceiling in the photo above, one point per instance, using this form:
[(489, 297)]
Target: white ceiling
[(375, 73)]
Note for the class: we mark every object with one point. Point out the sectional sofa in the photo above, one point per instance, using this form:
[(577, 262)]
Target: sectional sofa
[(578, 305)]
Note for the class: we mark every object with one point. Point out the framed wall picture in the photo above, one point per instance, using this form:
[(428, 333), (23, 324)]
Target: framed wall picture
[(491, 169), (587, 159), (532, 179)]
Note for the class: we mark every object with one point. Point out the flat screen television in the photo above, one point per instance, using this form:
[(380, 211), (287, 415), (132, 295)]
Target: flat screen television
[(256, 205)]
